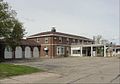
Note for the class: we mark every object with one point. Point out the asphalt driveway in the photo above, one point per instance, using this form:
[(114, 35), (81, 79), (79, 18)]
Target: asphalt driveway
[(78, 70)]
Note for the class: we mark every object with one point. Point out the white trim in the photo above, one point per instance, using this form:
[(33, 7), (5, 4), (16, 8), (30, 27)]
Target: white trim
[(104, 51), (46, 48), (91, 51), (40, 36), (76, 48), (54, 44), (94, 45)]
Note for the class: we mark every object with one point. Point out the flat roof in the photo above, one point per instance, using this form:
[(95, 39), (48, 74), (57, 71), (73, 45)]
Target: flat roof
[(58, 34)]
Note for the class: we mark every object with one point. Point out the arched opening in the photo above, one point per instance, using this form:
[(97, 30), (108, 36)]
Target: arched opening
[(8, 53), (18, 52), (28, 52), (35, 52)]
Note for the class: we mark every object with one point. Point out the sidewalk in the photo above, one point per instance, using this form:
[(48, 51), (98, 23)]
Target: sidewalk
[(30, 78)]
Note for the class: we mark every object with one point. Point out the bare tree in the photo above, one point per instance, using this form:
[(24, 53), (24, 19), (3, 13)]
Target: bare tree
[(97, 39)]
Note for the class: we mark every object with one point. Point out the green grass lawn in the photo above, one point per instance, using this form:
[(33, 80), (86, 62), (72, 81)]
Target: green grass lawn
[(7, 70)]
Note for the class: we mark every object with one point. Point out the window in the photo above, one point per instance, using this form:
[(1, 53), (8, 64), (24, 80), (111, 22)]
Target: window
[(67, 40), (55, 38), (80, 41), (60, 39), (76, 51), (73, 40), (46, 40), (85, 42), (37, 39), (46, 50), (60, 50)]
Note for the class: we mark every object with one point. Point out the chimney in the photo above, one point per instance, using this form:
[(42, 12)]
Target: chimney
[(53, 29)]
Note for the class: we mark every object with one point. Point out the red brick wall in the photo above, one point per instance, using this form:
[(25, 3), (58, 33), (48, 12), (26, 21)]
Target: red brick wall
[(53, 48)]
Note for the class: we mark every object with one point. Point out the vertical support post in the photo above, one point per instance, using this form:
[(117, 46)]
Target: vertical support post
[(96, 54), (31, 51), (39, 48), (91, 51), (23, 52), (104, 50), (81, 51), (2, 48), (71, 52), (115, 51), (86, 51)]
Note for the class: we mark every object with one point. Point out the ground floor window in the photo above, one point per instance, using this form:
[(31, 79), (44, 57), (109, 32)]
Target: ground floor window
[(60, 50), (76, 51), (46, 50)]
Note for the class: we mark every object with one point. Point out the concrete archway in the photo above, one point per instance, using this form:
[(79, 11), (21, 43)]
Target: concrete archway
[(36, 52), (18, 52), (8, 53), (28, 52)]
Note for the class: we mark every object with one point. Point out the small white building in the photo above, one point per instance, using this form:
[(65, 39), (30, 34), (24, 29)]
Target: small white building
[(89, 50), (99, 50)]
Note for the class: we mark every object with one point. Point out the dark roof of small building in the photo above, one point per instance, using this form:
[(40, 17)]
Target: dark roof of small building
[(27, 42), (60, 33), (117, 45), (24, 42)]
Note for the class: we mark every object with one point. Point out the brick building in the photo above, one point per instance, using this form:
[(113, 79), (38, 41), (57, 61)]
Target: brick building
[(57, 44)]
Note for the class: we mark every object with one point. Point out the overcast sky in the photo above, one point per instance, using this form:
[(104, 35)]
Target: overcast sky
[(80, 17)]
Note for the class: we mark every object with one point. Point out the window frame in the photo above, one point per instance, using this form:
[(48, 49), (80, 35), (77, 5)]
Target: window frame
[(60, 39), (46, 39)]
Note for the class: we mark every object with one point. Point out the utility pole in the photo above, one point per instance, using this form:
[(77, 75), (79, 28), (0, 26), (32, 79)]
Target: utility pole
[(119, 29), (119, 24), (119, 34)]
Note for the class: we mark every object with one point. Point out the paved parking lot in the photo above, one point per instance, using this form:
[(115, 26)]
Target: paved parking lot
[(79, 70)]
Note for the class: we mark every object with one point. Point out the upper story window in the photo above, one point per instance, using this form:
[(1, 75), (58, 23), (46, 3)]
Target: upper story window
[(80, 41), (76, 41), (60, 39), (55, 38), (37, 39), (73, 40), (67, 39), (46, 40), (85, 42)]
